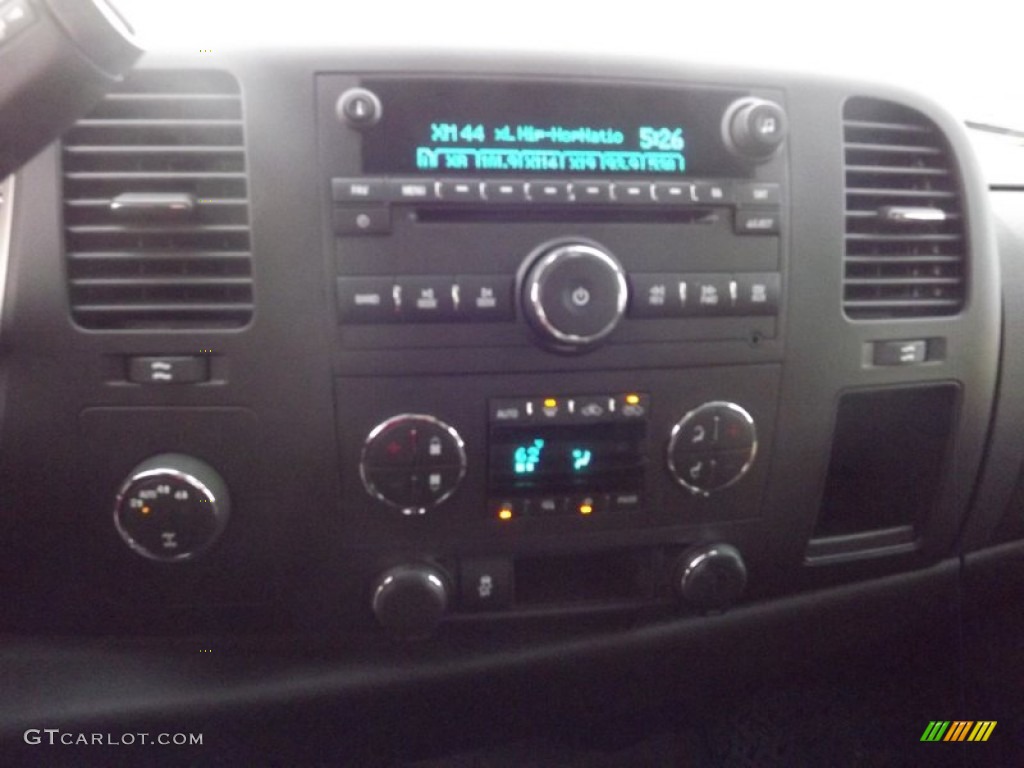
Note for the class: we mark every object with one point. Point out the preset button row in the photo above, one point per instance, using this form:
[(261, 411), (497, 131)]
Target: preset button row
[(672, 295), (418, 298), (695, 192)]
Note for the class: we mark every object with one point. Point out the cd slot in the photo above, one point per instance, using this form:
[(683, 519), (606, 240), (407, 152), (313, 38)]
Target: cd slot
[(538, 213)]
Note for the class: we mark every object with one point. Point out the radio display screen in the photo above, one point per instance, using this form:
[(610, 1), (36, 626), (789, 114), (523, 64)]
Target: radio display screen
[(494, 127)]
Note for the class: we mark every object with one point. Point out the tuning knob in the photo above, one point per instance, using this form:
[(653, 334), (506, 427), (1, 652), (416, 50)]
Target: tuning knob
[(574, 294), (710, 576), (171, 507), (410, 600), (754, 128)]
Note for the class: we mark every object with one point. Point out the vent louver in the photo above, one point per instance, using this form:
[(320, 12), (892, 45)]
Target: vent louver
[(156, 212), (905, 244)]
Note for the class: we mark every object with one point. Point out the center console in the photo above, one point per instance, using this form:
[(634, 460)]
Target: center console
[(586, 280)]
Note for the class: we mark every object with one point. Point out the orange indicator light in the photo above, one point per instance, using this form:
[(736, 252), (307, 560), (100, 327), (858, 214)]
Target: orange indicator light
[(145, 510), (586, 509), (633, 399), (504, 513), (550, 402)]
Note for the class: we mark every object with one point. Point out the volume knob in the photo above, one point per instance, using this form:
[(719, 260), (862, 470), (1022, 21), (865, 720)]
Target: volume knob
[(410, 600), (711, 576)]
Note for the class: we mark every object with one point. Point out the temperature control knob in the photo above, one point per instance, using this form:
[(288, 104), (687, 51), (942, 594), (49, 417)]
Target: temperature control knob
[(754, 128), (574, 294), (712, 447), (171, 507), (412, 462), (711, 576), (410, 600)]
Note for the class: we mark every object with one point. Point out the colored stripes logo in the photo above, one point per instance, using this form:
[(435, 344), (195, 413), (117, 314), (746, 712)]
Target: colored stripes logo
[(958, 730)]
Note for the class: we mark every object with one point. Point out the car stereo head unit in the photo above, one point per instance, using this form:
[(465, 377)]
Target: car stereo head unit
[(546, 212)]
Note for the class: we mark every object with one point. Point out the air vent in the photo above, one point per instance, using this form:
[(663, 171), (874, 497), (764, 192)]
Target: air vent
[(905, 244), (156, 208)]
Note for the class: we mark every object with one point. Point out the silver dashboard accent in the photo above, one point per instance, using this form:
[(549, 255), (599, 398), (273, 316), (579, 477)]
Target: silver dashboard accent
[(681, 425), (574, 251), (145, 205), (217, 510), (899, 214), (6, 227), (375, 492)]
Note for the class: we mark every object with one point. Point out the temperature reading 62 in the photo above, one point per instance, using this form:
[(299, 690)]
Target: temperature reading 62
[(662, 139)]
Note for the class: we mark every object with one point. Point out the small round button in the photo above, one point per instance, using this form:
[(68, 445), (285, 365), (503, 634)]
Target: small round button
[(754, 128), (359, 108), (574, 294)]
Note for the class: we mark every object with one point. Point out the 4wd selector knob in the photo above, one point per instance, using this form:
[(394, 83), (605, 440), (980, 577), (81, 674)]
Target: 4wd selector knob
[(171, 507), (574, 294)]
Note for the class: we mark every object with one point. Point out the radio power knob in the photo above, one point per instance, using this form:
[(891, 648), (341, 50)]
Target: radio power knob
[(710, 576), (410, 600), (574, 294), (754, 128)]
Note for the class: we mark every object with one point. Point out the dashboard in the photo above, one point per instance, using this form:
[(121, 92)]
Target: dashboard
[(418, 377)]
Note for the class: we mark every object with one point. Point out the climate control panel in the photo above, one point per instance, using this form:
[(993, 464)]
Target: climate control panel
[(412, 462)]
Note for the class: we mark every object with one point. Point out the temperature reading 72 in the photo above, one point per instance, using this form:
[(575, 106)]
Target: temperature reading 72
[(661, 139)]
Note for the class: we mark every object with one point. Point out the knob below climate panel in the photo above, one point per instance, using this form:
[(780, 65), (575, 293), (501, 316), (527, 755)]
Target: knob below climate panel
[(574, 294), (171, 507), (712, 447), (410, 600), (710, 576), (412, 462), (754, 128)]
